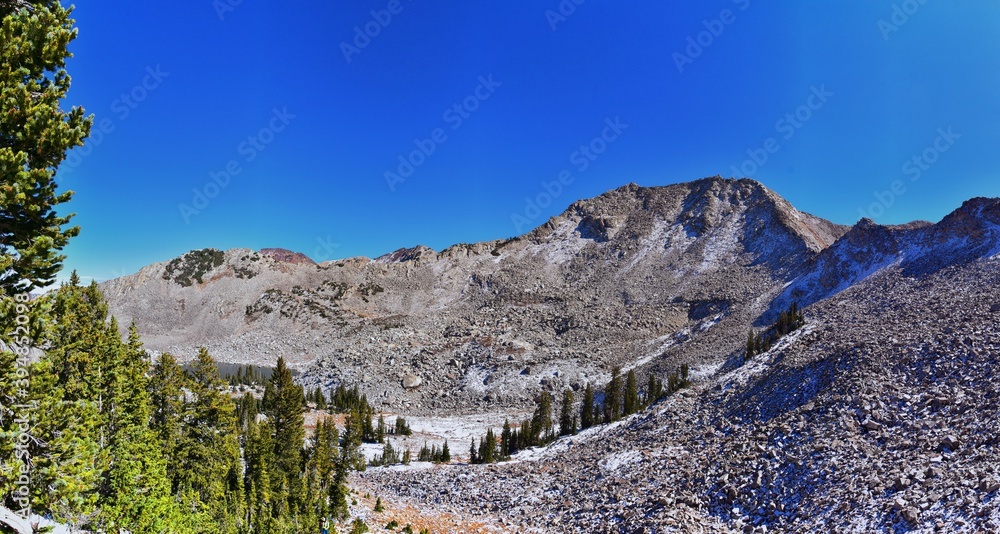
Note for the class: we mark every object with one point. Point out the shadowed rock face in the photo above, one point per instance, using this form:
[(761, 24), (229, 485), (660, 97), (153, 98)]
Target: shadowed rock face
[(639, 276)]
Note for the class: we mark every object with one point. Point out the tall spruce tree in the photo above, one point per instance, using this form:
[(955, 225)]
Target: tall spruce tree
[(35, 135), (566, 421), (631, 401), (210, 473), (613, 397), (166, 387), (505, 441), (135, 463), (286, 419), (587, 408), (541, 420)]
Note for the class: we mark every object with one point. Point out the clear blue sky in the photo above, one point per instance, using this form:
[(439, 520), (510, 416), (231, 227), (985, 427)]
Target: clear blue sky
[(201, 80)]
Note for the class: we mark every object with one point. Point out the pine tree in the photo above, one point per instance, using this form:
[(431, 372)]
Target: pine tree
[(631, 401), (259, 458), (350, 459), (541, 420), (473, 452), (166, 398), (587, 408), (380, 429), (445, 453), (209, 450), (402, 429), (613, 397), (285, 417), (488, 448), (566, 424), (505, 437), (751, 350), (36, 136), (654, 389), (135, 461)]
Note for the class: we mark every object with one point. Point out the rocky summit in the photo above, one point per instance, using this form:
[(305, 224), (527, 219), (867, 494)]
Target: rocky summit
[(877, 415)]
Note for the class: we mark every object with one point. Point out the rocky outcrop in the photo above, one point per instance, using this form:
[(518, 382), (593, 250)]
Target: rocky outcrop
[(877, 416), (287, 256), (647, 276)]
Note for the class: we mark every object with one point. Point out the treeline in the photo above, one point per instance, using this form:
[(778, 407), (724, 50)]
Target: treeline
[(434, 454), (620, 399), (116, 445), (249, 375), (789, 321)]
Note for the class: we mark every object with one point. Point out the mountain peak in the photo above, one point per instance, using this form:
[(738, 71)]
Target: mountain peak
[(287, 256), (404, 255)]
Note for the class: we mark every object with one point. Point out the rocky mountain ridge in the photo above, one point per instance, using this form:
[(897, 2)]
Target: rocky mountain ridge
[(636, 277)]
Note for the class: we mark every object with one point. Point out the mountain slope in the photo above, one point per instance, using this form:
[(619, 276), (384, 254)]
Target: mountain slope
[(619, 279), (877, 416)]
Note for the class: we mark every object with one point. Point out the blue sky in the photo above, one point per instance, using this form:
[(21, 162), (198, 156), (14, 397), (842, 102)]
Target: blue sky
[(258, 124)]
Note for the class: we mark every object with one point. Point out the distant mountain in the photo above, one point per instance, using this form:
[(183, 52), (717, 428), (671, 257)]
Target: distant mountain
[(638, 276)]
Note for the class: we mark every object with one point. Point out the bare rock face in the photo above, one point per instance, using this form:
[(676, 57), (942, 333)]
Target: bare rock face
[(621, 278), (878, 415), (640, 276), (287, 256)]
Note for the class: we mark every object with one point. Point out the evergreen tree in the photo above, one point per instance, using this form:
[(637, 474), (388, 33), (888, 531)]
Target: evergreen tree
[(541, 420), (445, 453), (567, 426), (35, 135), (209, 455), (350, 459), (751, 350), (473, 452), (613, 397), (631, 401), (380, 430), (587, 408), (259, 458), (135, 463), (285, 416), (402, 429), (166, 397), (654, 389), (505, 438), (488, 448)]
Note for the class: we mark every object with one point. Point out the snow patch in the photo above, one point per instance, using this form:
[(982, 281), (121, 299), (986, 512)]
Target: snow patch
[(614, 462)]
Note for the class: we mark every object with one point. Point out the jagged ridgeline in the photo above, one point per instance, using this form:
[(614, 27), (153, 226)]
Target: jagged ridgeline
[(672, 271)]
